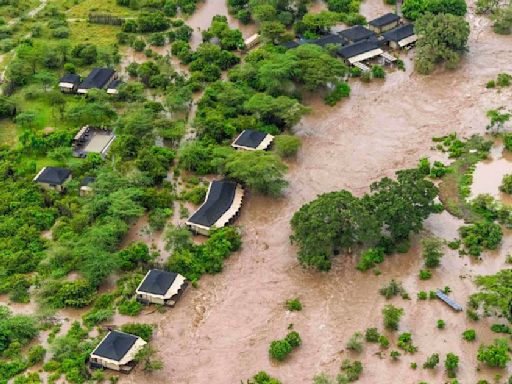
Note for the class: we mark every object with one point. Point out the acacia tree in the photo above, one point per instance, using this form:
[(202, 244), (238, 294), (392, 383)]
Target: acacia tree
[(442, 38)]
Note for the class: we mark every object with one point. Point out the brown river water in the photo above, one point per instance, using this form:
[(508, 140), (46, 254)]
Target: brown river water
[(219, 333)]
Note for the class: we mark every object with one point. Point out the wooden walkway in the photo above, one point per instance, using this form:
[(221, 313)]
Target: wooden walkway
[(442, 296)]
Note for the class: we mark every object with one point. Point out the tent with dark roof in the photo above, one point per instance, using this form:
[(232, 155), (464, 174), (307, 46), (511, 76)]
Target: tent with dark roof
[(222, 203), (53, 177), (384, 23), (85, 187), (98, 78), (401, 37), (252, 140), (364, 50), (116, 351), (113, 86), (161, 287), (356, 33), (69, 83)]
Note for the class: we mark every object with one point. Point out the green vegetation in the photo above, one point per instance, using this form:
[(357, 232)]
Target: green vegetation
[(506, 184), (263, 378), (451, 364), (440, 324), (369, 258), (391, 317), (432, 251), (393, 288), (469, 335), (495, 293), (372, 335), (435, 45), (280, 349), (431, 361), (401, 205), (293, 305), (495, 354), (414, 9), (405, 343), (479, 236), (287, 145), (355, 343)]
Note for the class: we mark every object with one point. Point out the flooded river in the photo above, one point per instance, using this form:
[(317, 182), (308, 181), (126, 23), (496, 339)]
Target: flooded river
[(220, 332)]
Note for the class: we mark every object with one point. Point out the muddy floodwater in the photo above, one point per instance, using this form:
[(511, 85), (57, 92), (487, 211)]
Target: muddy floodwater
[(220, 332)]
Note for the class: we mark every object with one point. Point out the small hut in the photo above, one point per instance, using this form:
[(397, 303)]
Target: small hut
[(252, 41), (357, 33), (85, 185), (53, 178), (116, 351), (161, 287), (384, 23), (98, 78), (360, 52), (69, 83), (253, 140), (401, 37), (222, 204)]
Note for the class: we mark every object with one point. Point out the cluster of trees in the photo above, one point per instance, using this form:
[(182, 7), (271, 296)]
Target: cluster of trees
[(338, 221), (442, 39), (169, 7), (269, 13), (280, 349), (154, 21), (414, 9), (495, 294), (229, 39)]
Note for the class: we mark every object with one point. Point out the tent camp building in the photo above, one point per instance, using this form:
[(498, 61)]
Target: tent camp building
[(401, 37), (384, 23), (69, 83), (53, 178), (161, 287), (116, 351), (357, 33), (222, 204), (252, 140), (98, 78), (359, 52)]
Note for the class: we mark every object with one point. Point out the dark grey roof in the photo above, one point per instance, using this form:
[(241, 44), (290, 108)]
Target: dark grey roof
[(289, 44), (399, 33), (219, 199), (53, 175), (250, 138), (115, 345), (329, 39), (383, 20), (70, 78), (356, 33), (114, 84), (87, 180), (98, 78), (158, 282), (357, 49)]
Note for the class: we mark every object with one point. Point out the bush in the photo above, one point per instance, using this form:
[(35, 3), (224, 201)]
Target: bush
[(263, 378), (432, 361), (451, 364), (378, 72), (501, 328), (432, 252), (369, 258), (422, 295), (372, 335), (506, 184), (391, 316), (293, 338), (425, 274), (503, 79), (340, 91), (383, 341), (395, 355), (441, 324), (293, 305), (393, 288), (405, 343), (469, 335), (279, 349), (495, 354), (355, 342), (351, 370), (287, 145), (130, 307), (490, 84), (479, 236), (36, 354), (144, 331)]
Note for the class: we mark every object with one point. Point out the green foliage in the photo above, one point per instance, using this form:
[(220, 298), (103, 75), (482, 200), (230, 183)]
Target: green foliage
[(432, 361), (497, 119), (405, 343), (192, 260), (263, 378), (135, 253), (395, 355), (36, 354), (378, 72), (340, 91), (495, 293), (425, 274), (130, 307), (196, 195), (355, 343), (144, 331), (391, 316), (479, 236), (442, 39), (393, 288), (279, 349), (293, 305), (293, 338), (469, 335), (422, 295), (501, 328), (350, 371), (502, 19), (414, 9), (451, 364), (495, 354), (440, 324), (372, 335), (506, 184), (383, 341), (287, 145), (369, 258)]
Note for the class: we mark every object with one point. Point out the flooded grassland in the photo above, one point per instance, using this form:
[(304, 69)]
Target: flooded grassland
[(220, 332)]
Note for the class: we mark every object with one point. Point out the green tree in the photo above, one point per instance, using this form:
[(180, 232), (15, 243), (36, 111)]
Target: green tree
[(451, 364), (496, 354), (432, 251), (391, 316), (495, 293)]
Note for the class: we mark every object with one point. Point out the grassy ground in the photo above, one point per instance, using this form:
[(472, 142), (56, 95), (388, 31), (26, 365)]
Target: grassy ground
[(80, 8), (8, 132), (101, 35)]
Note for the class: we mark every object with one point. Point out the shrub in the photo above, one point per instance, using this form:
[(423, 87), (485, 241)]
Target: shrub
[(130, 307), (441, 324), (451, 364), (425, 274), (391, 316), (378, 72), (506, 184), (495, 354), (372, 335), (393, 288), (351, 370), (383, 341), (432, 252), (369, 258), (503, 79), (432, 361), (479, 236), (422, 295), (279, 349), (263, 378), (36, 354), (293, 338), (469, 335), (490, 84), (144, 331), (501, 328), (355, 342), (287, 145), (405, 343), (395, 355), (293, 305), (340, 91)]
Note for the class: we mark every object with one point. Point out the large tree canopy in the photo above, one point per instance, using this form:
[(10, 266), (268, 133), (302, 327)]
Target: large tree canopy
[(495, 293)]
